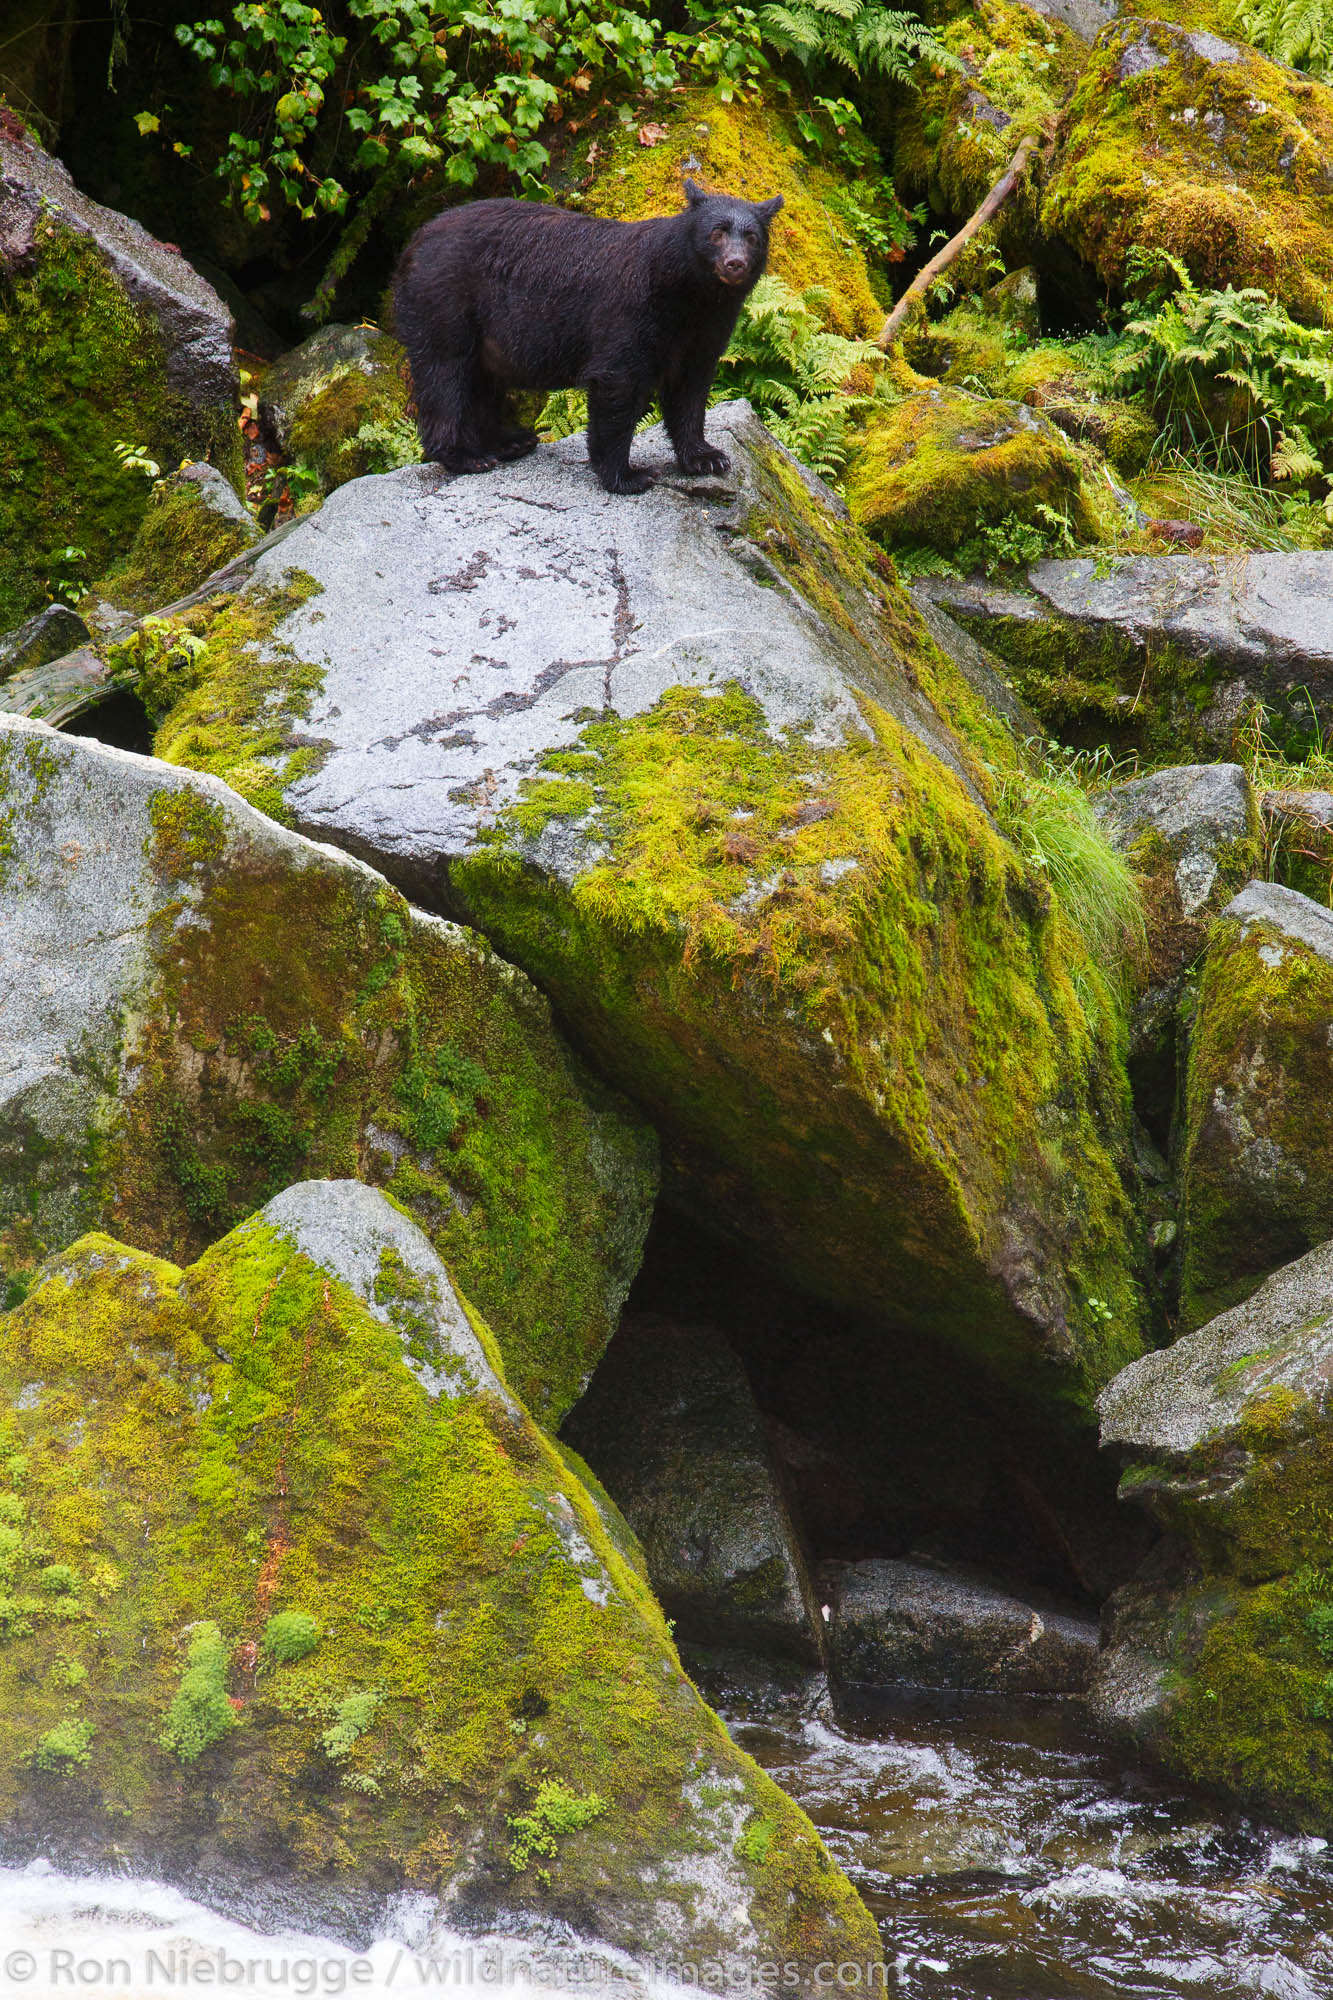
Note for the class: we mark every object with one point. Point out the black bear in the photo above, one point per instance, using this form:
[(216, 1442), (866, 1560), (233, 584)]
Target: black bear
[(500, 295)]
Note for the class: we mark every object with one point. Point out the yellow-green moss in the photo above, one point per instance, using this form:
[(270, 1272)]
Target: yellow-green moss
[(1222, 163), (748, 147), (248, 693), (939, 467), (1257, 1161), (84, 369), (179, 542), (183, 1456), (354, 424)]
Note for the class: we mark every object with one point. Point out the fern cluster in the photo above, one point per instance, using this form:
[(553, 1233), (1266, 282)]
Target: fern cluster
[(796, 374), (1234, 379), (1297, 32), (862, 36)]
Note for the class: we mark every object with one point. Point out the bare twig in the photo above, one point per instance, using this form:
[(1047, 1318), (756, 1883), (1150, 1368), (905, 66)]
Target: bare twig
[(942, 259)]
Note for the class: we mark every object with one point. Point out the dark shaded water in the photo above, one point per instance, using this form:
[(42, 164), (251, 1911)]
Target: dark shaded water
[(1017, 1860)]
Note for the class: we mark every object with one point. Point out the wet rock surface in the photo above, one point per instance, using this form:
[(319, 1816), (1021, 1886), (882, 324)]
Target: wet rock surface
[(907, 1624), (670, 1426)]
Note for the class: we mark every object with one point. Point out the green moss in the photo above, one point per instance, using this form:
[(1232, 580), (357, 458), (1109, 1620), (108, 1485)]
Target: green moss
[(494, 1683), (249, 693), (348, 427), (1220, 163), (1257, 1160), (937, 468), (84, 368), (749, 147), (179, 542)]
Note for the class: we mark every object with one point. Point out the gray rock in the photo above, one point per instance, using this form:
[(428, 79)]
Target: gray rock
[(909, 1624), (41, 639), (1174, 1401), (133, 896), (509, 606), (670, 1426), (1287, 911), (196, 327), (1257, 628), (1199, 810), (1084, 18), (218, 496)]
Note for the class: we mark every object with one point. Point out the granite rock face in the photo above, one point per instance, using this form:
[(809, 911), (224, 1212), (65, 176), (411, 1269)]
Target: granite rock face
[(693, 761), (1165, 651), (670, 1426), (306, 1612), (201, 1006), (896, 1624)]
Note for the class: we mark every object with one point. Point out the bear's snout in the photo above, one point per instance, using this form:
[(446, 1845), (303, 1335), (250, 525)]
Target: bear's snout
[(733, 267)]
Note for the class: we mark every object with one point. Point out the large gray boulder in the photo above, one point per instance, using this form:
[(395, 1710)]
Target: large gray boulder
[(306, 1613), (1164, 651), (337, 405), (895, 1624), (200, 1006), (670, 1426), (692, 761), (1218, 1654)]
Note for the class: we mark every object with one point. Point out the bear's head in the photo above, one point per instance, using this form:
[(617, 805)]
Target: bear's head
[(730, 236)]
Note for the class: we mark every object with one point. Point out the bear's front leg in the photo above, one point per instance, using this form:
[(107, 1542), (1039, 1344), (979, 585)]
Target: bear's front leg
[(684, 401), (613, 411)]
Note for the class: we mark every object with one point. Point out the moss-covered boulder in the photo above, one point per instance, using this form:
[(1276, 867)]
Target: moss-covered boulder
[(202, 1007), (696, 765), (194, 524), (670, 1424), (1179, 140), (1257, 1162), (1168, 654), (940, 468), (299, 1605), (1218, 1660), (749, 147), (109, 339), (337, 405)]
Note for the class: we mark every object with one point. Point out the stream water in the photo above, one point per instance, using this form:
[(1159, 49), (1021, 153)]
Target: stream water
[(1004, 1860)]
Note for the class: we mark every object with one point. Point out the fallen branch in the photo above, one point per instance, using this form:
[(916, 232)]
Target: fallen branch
[(942, 259)]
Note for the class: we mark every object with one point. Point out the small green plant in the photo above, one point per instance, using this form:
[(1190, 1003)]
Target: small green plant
[(63, 581), (159, 663), (351, 1719), (135, 458), (389, 444), (796, 373), (555, 1811), (862, 36), (65, 1747), (1013, 543), (289, 1636), (201, 1713), (1232, 378)]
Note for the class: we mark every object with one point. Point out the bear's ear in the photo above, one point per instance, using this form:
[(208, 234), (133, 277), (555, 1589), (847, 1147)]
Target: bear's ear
[(694, 193), (768, 209)]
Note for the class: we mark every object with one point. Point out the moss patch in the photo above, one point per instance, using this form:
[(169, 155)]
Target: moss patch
[(180, 541), (748, 147), (84, 369), (939, 467), (1219, 158), (186, 1457)]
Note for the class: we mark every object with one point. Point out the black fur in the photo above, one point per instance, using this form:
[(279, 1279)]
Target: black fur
[(500, 295)]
